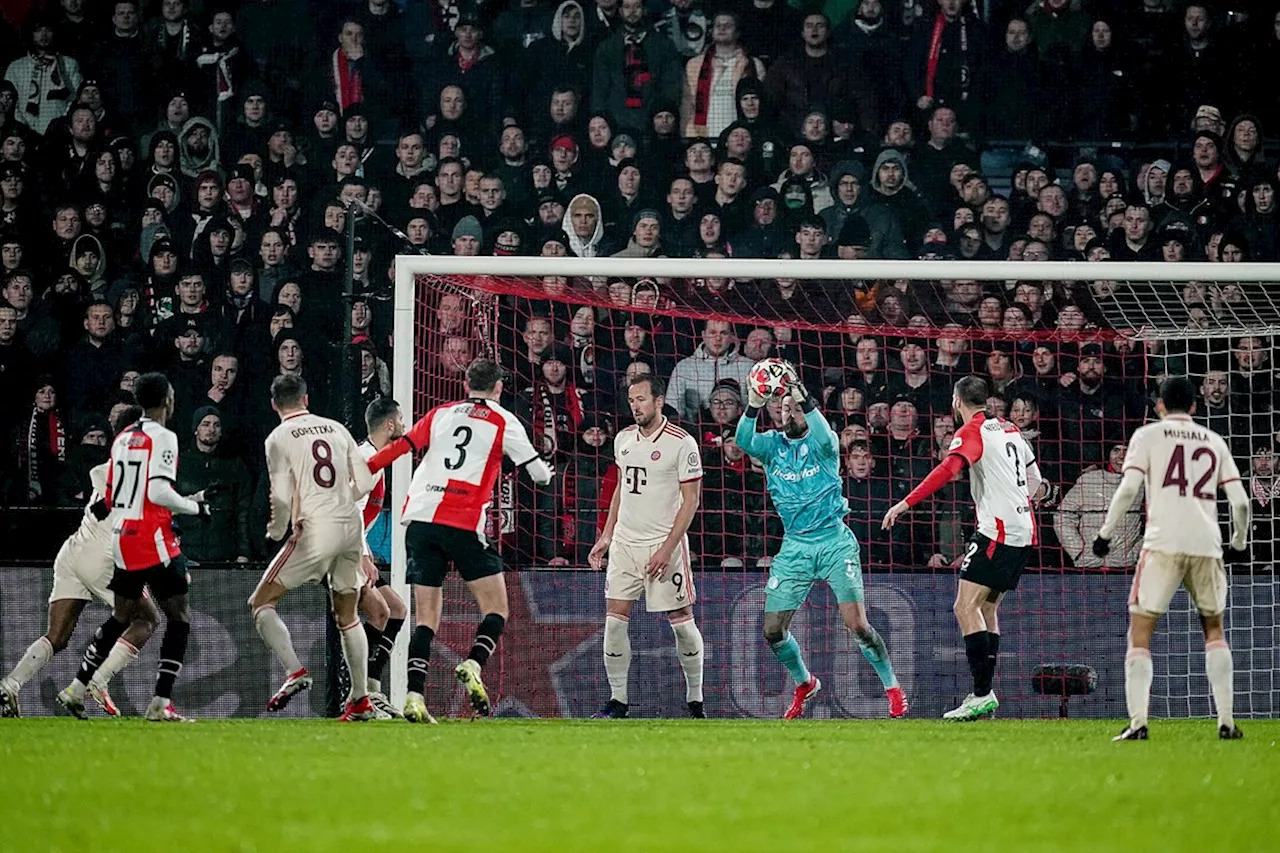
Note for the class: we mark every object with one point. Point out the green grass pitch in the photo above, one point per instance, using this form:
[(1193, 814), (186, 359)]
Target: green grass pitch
[(510, 785)]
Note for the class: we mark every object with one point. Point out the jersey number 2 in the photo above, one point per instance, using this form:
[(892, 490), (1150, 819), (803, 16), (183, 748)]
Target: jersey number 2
[(1017, 463)]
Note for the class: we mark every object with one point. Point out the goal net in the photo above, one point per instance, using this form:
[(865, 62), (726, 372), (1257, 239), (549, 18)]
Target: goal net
[(1073, 353)]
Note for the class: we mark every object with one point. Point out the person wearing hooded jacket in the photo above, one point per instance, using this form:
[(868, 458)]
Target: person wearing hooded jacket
[(198, 151), (894, 193), (564, 59), (583, 224), (849, 198)]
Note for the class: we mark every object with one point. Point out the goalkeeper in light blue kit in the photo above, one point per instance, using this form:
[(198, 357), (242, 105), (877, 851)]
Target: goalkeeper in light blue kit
[(802, 468)]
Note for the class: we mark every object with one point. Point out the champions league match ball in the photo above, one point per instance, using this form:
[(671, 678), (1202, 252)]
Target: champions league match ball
[(770, 377)]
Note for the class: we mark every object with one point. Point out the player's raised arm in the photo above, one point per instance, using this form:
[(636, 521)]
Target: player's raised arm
[(519, 449), (417, 438), (752, 443), (283, 487), (966, 449), (823, 435)]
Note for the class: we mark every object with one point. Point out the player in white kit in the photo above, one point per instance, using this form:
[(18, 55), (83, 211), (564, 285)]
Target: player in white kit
[(445, 512), (1003, 477), (317, 478), (384, 610), (659, 488), (81, 572), (1183, 465)]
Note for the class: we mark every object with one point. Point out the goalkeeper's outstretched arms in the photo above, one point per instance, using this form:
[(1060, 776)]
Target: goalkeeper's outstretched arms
[(752, 443)]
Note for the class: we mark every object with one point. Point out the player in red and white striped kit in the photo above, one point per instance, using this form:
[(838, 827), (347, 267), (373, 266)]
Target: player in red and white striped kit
[(1003, 477), (81, 572), (384, 610), (445, 512), (143, 469), (1183, 466), (317, 476)]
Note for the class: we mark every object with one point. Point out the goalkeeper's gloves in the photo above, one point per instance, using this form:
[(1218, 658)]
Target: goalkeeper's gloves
[(755, 400), (1101, 547), (795, 388)]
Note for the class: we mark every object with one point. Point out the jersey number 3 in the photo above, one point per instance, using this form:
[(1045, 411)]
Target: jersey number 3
[(1176, 473)]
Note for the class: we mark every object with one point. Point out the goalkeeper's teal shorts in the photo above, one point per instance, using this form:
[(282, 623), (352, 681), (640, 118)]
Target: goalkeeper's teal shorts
[(832, 556)]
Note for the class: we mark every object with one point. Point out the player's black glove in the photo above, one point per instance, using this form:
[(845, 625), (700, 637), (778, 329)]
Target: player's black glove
[(206, 512), (100, 510), (214, 489), (1233, 557), (1101, 547)]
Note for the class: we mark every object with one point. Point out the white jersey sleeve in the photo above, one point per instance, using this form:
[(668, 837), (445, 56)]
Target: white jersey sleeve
[(1184, 465), (651, 470)]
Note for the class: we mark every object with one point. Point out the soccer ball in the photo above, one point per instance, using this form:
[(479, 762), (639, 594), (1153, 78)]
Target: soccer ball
[(770, 377)]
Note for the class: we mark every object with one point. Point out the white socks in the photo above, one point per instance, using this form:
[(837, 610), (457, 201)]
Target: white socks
[(617, 655), (689, 648), (275, 634), (1137, 686), (37, 655), (355, 647), (122, 654), (1218, 667)]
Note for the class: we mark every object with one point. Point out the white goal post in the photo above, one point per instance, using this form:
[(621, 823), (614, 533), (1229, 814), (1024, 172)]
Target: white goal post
[(1264, 319)]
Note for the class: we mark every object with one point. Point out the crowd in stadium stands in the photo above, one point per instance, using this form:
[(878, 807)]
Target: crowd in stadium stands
[(176, 179)]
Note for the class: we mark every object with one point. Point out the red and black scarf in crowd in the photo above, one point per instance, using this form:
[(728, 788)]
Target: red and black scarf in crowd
[(635, 69), (348, 88), (46, 436), (544, 423), (935, 54), (702, 93)]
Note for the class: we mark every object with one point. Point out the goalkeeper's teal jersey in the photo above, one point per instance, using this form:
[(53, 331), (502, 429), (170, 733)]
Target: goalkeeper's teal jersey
[(803, 475)]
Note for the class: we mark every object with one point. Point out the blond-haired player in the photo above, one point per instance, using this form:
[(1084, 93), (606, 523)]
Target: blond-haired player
[(659, 487), (1183, 465), (317, 476)]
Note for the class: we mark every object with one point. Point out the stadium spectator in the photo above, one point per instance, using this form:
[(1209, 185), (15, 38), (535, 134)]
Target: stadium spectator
[(708, 103), (224, 535), (633, 72), (1083, 508), (716, 358)]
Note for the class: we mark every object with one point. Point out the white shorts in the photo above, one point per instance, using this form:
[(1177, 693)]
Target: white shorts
[(82, 571), (626, 577), (327, 549), (1159, 575)]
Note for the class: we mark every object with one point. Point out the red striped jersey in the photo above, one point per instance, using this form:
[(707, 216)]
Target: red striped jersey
[(1183, 465), (998, 457), (464, 444), (650, 471), (142, 531)]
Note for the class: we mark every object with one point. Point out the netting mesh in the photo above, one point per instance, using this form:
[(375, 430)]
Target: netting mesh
[(1071, 364)]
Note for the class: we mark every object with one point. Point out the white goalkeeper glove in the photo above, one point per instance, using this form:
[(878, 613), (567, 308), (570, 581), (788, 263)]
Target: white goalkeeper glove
[(795, 388), (754, 398)]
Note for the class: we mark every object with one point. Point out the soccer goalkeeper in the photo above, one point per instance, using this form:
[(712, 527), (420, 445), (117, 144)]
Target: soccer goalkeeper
[(802, 469)]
